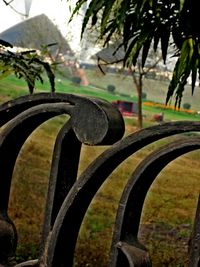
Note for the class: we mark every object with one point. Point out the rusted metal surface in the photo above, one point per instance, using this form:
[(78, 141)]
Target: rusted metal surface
[(94, 122), (194, 248), (24, 115), (131, 203)]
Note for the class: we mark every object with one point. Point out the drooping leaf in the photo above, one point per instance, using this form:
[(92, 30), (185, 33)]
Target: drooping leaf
[(31, 85), (185, 58), (27, 65), (130, 51), (49, 72), (28, 52), (129, 23), (5, 43), (110, 30), (93, 8), (181, 3), (194, 66), (79, 4), (177, 36), (179, 91), (106, 14), (156, 41), (194, 77), (182, 70), (173, 83), (139, 7), (52, 44), (143, 39), (145, 51), (94, 19), (165, 36)]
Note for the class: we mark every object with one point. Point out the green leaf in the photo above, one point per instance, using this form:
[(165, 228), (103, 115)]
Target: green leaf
[(194, 77), (185, 57), (177, 36), (140, 41), (5, 43), (106, 14), (77, 8), (182, 70), (129, 24), (110, 30), (194, 64), (181, 3), (173, 83), (145, 51), (156, 41), (179, 91), (130, 51), (139, 7), (93, 8), (49, 73), (165, 42)]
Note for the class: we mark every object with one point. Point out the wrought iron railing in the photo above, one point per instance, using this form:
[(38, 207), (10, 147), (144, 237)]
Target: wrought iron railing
[(94, 122)]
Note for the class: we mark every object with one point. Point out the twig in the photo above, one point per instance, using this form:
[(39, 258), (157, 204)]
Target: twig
[(9, 4)]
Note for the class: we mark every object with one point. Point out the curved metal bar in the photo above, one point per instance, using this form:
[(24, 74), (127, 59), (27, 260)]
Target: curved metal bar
[(68, 221), (85, 111), (11, 139), (12, 108), (63, 175), (8, 241), (131, 202), (133, 256), (107, 129), (31, 263), (194, 246), (93, 122)]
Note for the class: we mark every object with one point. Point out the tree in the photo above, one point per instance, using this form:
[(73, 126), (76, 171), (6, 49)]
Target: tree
[(25, 64), (115, 54), (142, 23), (138, 81)]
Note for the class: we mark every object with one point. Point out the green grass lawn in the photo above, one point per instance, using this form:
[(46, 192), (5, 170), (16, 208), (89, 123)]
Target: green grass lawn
[(156, 90), (169, 208), (12, 87)]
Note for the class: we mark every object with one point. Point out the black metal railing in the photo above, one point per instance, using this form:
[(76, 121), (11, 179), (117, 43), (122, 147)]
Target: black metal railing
[(93, 122)]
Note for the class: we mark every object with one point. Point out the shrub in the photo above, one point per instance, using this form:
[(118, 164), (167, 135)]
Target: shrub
[(111, 88), (144, 95), (186, 106), (76, 79)]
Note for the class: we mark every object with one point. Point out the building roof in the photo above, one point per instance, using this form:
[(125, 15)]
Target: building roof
[(110, 54), (35, 32)]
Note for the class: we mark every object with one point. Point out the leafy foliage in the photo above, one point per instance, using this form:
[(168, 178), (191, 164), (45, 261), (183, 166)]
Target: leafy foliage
[(111, 88), (76, 79), (186, 106), (142, 23), (25, 64), (144, 95)]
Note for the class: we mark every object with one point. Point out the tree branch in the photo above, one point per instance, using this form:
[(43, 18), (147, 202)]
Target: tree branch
[(154, 65), (16, 11), (6, 3)]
